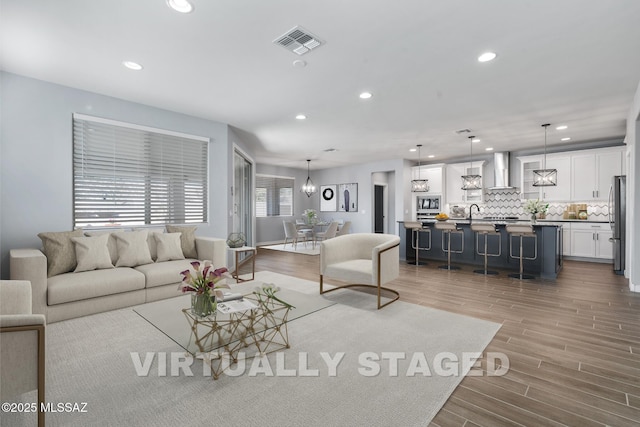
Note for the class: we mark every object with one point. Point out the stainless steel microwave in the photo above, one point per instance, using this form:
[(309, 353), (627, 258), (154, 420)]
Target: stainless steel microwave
[(429, 204)]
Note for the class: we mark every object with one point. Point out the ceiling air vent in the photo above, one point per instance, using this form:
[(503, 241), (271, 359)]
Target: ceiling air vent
[(298, 40)]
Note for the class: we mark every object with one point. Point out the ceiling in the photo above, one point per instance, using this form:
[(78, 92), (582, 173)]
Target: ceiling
[(569, 62)]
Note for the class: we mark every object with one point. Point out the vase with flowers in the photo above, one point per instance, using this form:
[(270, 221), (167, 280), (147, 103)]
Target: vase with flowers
[(205, 284), (535, 208), (310, 216)]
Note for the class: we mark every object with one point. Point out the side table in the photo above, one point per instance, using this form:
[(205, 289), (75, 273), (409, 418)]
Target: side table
[(250, 258)]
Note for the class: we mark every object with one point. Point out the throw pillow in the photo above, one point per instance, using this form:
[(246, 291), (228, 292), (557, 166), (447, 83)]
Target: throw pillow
[(169, 246), (111, 243), (92, 253), (133, 249), (151, 240), (187, 240), (60, 251)]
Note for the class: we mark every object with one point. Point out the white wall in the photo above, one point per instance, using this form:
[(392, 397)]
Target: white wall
[(36, 160)]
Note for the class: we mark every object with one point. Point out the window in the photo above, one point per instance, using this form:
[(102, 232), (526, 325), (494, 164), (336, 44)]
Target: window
[(274, 196), (126, 174)]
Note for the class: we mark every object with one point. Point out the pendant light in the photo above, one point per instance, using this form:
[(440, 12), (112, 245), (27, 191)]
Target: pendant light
[(308, 187), (545, 177), (471, 182), (419, 185)]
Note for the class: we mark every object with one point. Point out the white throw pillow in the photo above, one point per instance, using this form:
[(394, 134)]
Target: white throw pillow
[(133, 249), (151, 240), (168, 246), (111, 243), (92, 253)]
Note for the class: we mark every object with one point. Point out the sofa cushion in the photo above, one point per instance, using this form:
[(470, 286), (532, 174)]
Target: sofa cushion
[(60, 251), (92, 253), (164, 273), (168, 246), (188, 239), (92, 284), (133, 249)]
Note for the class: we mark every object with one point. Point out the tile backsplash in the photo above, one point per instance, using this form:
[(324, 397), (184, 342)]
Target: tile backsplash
[(507, 202)]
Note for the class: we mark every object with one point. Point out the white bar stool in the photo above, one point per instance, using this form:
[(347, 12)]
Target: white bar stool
[(449, 228), (486, 230), (417, 228), (522, 231)]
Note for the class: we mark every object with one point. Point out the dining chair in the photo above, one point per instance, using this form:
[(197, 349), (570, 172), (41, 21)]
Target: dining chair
[(292, 234), (330, 233), (346, 227)]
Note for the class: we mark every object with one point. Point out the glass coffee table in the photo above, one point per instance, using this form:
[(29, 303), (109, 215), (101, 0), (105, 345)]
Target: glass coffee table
[(255, 325)]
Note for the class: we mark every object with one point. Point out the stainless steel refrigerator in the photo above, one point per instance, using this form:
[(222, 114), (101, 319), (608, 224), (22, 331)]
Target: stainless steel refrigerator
[(617, 218)]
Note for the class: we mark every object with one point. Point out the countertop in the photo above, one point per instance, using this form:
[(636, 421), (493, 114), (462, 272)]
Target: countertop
[(517, 221)]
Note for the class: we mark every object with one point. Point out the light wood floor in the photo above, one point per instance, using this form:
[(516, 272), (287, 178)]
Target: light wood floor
[(573, 344)]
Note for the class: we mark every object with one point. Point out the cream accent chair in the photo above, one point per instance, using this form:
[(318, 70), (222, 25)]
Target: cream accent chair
[(361, 259), (22, 351)]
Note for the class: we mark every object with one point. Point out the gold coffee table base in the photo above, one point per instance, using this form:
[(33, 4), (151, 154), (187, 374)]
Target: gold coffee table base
[(259, 331)]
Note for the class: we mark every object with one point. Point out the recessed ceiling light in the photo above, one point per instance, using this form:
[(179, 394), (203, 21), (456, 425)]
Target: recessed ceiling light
[(566, 139), (365, 95), (299, 63), (431, 156), (563, 127), (301, 117), (488, 149), (132, 65), (413, 150), (182, 6), (475, 140), (486, 57), (330, 150)]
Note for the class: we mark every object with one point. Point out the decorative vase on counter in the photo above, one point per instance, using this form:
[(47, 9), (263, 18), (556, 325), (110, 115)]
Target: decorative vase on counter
[(533, 218), (203, 305)]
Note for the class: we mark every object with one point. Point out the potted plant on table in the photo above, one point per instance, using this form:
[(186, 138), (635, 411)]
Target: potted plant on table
[(205, 286), (535, 208), (310, 216)]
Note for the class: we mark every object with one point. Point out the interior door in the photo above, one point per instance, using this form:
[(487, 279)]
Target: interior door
[(378, 204), (243, 195)]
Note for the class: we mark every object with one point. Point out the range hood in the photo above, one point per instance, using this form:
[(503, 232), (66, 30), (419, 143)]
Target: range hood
[(501, 171)]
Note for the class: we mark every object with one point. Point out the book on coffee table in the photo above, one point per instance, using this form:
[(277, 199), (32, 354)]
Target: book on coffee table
[(230, 296), (235, 306)]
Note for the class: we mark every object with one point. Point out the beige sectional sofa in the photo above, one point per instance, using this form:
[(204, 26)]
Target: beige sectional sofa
[(73, 294)]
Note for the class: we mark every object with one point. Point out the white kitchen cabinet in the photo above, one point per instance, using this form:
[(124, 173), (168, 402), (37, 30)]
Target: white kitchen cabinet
[(592, 172), (433, 173), (591, 240), (558, 193), (453, 182), (566, 239)]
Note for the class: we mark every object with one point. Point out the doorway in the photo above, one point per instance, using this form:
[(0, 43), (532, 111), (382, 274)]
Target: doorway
[(380, 208), (243, 195)]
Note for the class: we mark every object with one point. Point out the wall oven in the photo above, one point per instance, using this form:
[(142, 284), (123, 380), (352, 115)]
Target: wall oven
[(428, 206)]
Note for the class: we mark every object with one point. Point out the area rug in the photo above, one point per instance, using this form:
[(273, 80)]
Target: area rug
[(349, 364), (299, 249)]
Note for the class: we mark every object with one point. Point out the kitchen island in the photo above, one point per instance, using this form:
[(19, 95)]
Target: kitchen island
[(549, 247)]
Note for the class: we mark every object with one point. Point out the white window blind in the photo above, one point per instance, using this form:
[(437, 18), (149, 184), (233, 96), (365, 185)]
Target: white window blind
[(125, 174), (274, 196)]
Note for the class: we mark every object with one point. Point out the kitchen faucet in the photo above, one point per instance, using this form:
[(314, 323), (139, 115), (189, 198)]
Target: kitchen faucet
[(471, 210)]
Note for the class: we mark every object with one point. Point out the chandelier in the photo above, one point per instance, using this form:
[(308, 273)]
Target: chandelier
[(308, 187), (419, 185), (545, 177), (471, 182)]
